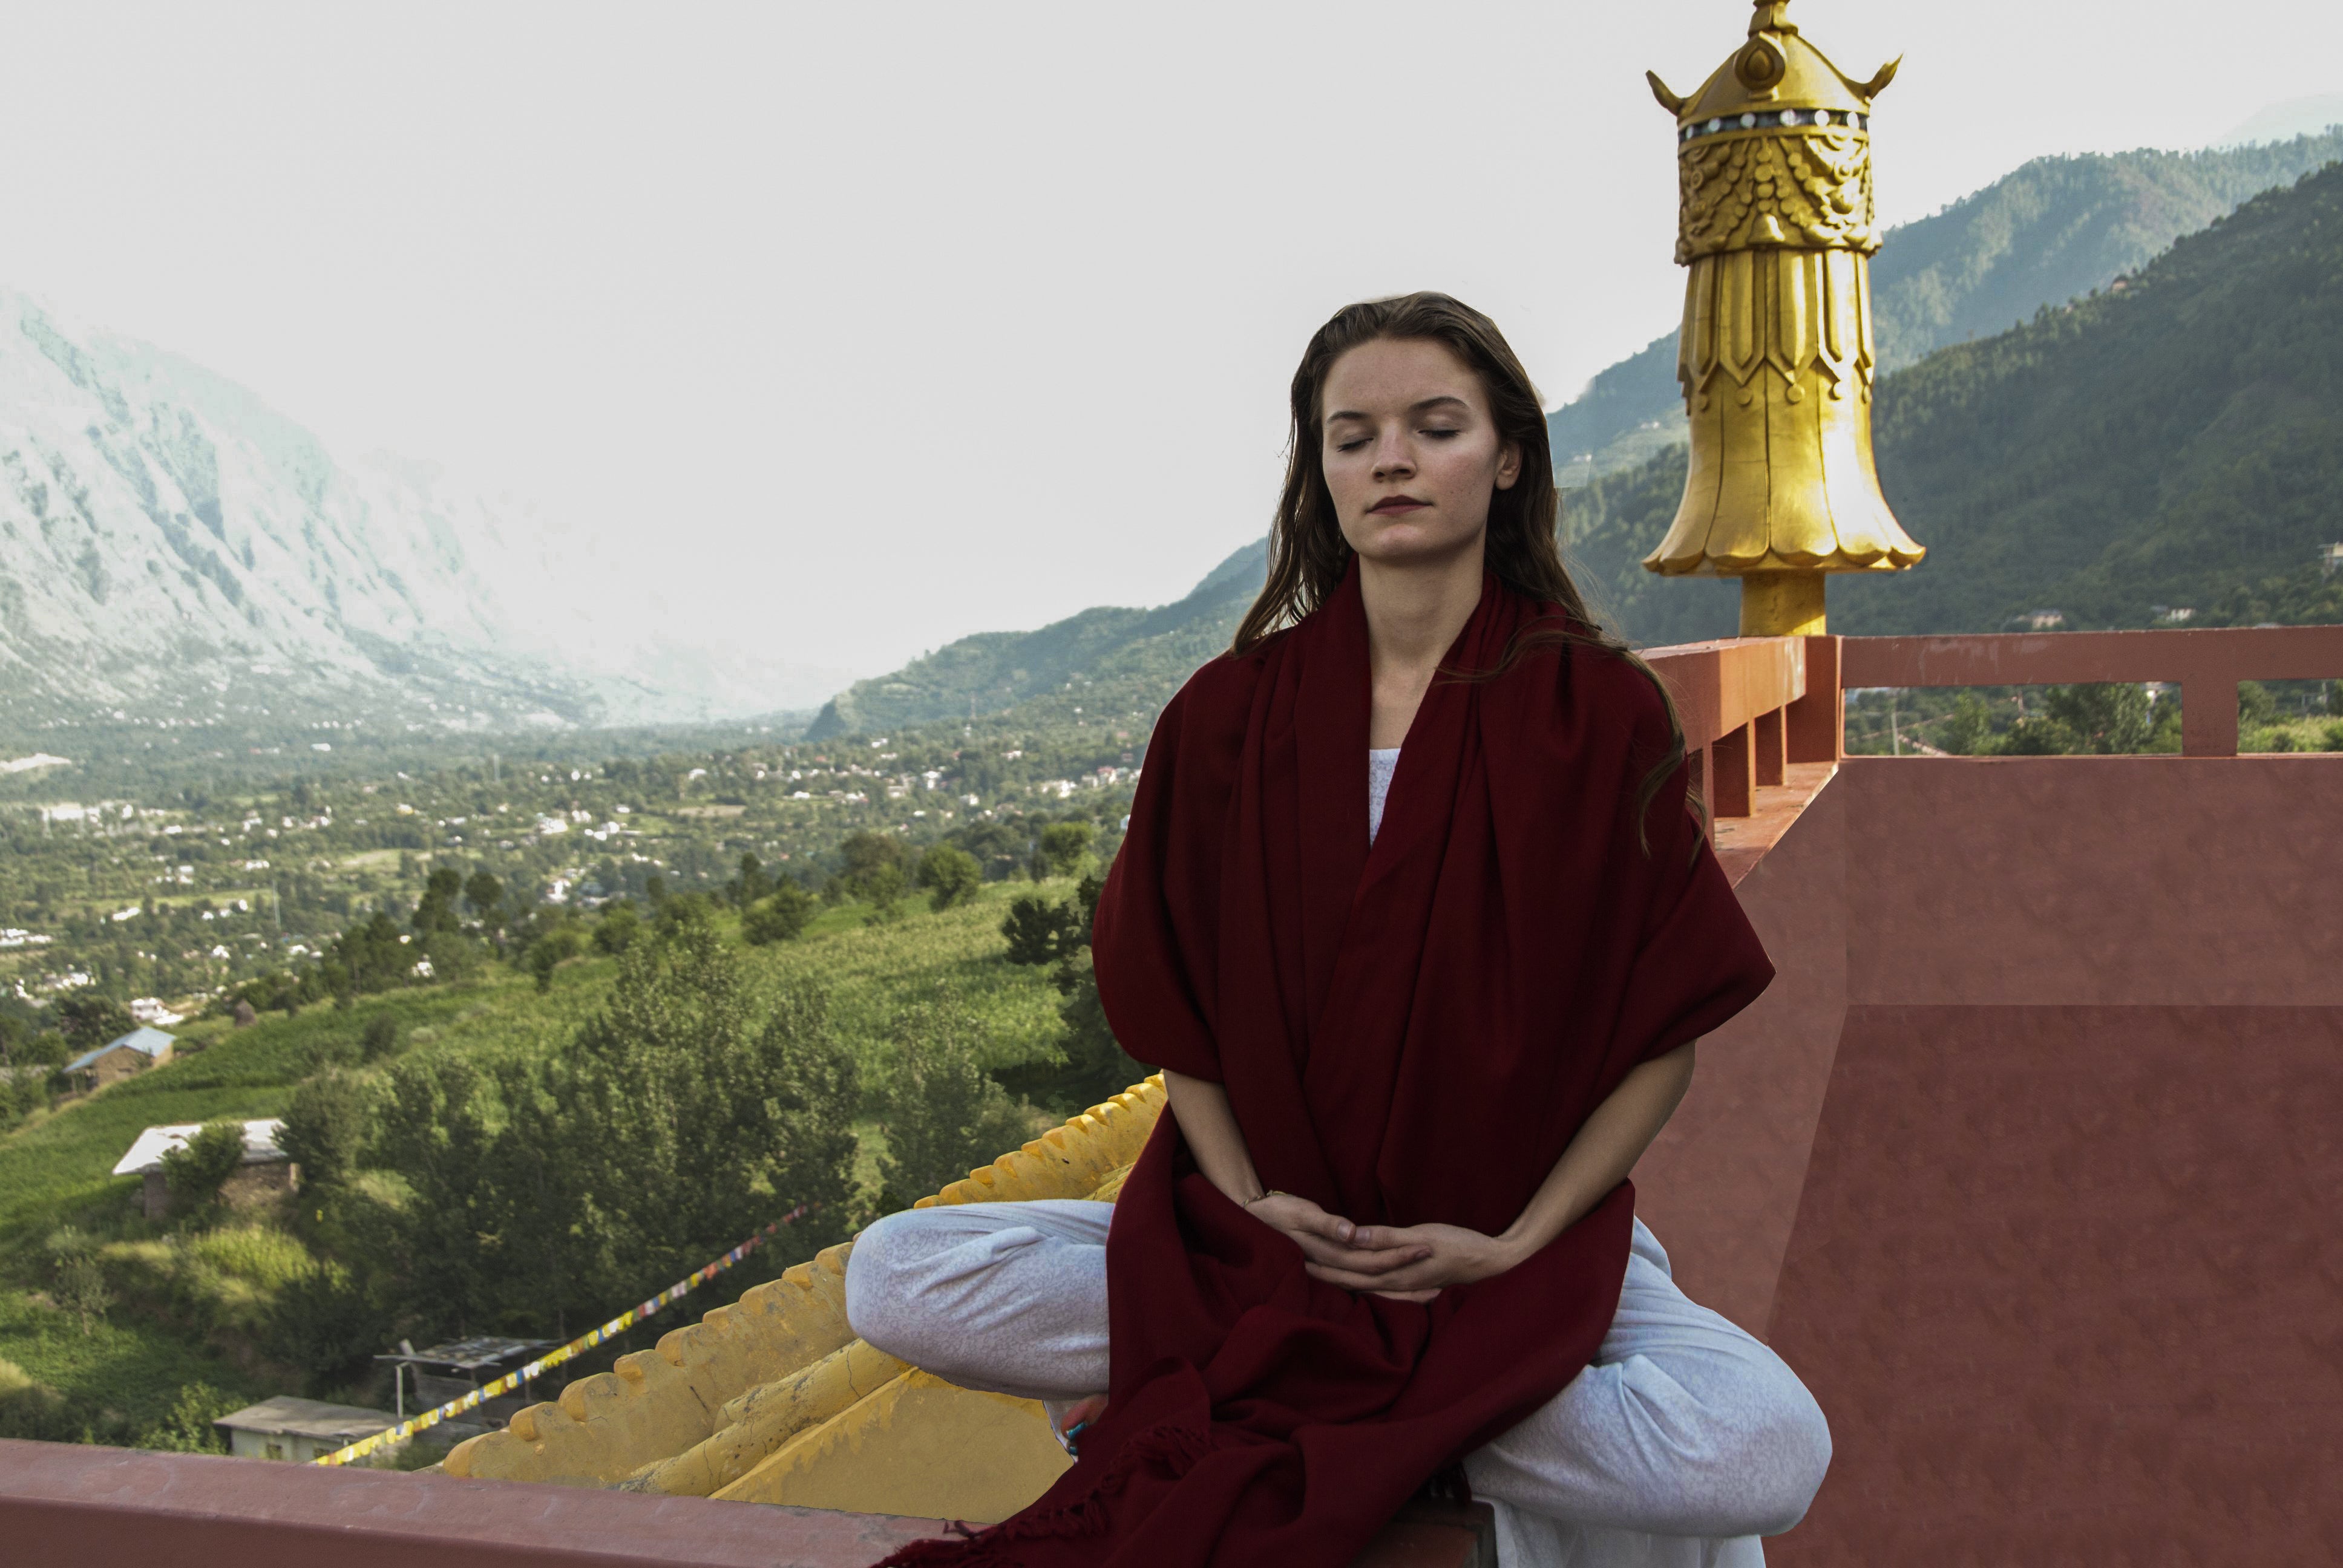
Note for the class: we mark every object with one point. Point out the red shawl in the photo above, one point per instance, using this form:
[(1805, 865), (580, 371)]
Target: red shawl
[(1407, 1034)]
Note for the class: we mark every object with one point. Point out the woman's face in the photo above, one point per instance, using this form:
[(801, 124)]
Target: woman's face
[(1411, 452)]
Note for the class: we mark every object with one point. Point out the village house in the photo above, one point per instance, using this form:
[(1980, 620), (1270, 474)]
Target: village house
[(120, 1058), (266, 1170), (298, 1430)]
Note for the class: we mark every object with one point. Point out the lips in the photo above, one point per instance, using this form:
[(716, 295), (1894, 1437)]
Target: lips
[(1393, 504)]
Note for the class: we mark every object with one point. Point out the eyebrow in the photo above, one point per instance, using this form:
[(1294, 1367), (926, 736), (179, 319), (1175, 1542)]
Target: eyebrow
[(1412, 408)]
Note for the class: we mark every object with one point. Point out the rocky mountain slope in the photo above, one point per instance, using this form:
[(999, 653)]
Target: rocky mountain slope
[(174, 554), (2054, 230)]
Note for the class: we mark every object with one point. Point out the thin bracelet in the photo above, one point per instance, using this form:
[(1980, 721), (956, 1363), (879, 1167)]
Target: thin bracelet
[(1270, 1192)]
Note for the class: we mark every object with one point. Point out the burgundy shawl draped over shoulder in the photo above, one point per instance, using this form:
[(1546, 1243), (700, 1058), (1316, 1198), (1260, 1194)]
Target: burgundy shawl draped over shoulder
[(1409, 1033)]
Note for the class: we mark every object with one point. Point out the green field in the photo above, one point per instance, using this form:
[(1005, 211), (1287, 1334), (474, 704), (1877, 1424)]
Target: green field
[(186, 1297)]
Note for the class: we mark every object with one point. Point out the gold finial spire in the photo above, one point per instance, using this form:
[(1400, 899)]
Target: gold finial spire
[(1776, 227)]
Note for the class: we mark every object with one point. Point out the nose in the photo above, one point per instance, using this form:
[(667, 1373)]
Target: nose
[(1392, 458)]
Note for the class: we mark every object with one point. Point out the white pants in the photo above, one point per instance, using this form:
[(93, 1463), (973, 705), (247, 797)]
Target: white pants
[(1681, 1444)]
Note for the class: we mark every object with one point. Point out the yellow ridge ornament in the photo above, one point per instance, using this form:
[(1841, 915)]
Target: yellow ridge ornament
[(1776, 227)]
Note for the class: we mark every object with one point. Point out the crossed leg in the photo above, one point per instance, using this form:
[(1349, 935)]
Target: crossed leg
[(1683, 1443)]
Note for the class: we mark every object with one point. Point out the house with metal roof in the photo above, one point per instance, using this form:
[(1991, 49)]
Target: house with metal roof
[(298, 1430), (266, 1169), (123, 1057)]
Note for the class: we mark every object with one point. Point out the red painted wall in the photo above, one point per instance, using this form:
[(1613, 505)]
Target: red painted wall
[(2029, 1163)]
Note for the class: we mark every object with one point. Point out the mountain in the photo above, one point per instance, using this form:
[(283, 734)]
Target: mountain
[(2174, 442), (2055, 228), (2284, 122), (1106, 657), (175, 554)]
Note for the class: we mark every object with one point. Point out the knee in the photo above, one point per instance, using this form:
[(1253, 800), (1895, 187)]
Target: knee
[(1772, 1454), (880, 1303)]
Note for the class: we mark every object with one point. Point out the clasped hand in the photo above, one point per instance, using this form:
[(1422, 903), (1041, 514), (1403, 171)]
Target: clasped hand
[(1406, 1262)]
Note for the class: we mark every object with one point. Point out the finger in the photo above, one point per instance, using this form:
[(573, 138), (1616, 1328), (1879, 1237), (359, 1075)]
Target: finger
[(1351, 1259), (1350, 1280), (1416, 1296), (1382, 1238)]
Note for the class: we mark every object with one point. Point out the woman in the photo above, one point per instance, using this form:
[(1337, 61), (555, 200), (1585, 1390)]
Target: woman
[(1418, 921)]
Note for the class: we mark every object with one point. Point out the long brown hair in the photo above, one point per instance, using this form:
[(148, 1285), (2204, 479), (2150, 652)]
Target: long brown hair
[(1307, 552)]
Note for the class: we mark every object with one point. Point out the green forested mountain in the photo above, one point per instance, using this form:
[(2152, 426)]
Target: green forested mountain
[(2054, 230), (2174, 442), (1100, 651)]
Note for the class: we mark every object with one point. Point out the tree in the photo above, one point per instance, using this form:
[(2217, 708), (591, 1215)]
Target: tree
[(324, 1321), (188, 1427), (750, 885), (452, 955), (372, 955), (780, 917), (2039, 735), (950, 876), (877, 867), (1039, 931), (942, 1116), (436, 1126), (1097, 1067), (324, 1128), (483, 893), (435, 911), (996, 847), (90, 1021), (2111, 720), (557, 945), (380, 1038), (615, 931), (194, 1172), (818, 1093), (1967, 730), (1062, 847), (675, 1130)]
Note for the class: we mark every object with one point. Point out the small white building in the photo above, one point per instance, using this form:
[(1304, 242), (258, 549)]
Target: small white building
[(299, 1430)]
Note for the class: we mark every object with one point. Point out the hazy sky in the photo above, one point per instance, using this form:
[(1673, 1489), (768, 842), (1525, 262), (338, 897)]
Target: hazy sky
[(870, 326)]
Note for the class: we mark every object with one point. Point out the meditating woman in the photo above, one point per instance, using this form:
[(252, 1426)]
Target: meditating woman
[(1418, 920)]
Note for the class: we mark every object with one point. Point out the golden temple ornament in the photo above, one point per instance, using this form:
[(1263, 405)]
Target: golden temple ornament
[(1776, 225)]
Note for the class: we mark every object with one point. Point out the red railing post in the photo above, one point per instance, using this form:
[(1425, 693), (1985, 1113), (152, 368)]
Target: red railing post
[(1814, 725), (1731, 758), (2208, 713), (1766, 733)]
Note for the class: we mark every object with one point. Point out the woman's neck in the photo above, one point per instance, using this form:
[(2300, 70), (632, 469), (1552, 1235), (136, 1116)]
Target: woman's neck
[(1414, 610)]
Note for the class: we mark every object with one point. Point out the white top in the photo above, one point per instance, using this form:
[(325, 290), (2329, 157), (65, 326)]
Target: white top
[(1379, 765)]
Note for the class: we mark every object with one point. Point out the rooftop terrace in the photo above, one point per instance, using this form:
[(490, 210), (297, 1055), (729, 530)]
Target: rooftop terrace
[(2023, 1164)]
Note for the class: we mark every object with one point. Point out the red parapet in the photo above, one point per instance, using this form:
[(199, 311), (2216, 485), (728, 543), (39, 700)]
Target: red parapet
[(71, 1505), (1721, 686), (2205, 664)]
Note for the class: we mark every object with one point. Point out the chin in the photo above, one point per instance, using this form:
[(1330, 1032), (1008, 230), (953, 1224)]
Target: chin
[(1400, 544)]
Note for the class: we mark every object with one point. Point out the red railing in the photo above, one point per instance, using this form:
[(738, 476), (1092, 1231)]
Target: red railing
[(1750, 705), (2206, 665)]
